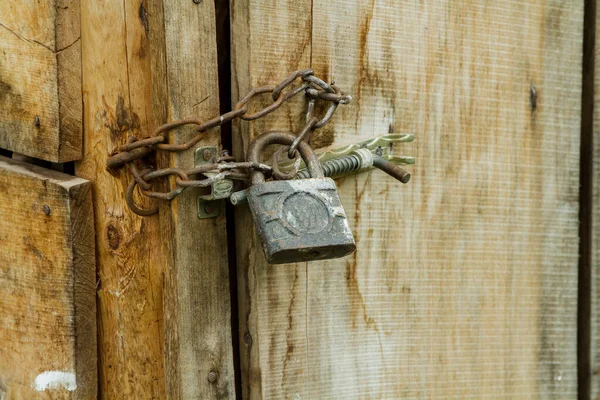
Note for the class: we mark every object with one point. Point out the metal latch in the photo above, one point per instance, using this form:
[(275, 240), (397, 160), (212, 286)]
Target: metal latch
[(353, 158), (210, 205)]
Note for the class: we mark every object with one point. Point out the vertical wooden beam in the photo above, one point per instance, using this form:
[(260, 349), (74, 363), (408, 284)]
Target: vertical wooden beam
[(465, 280), (118, 102), (156, 62), (273, 343), (199, 359), (47, 275)]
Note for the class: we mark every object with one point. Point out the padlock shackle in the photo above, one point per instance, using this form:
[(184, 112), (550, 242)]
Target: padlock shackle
[(286, 138)]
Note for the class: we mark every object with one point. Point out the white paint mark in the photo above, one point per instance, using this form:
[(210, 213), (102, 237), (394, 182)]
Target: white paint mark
[(55, 380)]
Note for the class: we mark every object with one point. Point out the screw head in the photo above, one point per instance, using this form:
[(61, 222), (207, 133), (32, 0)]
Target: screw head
[(208, 208), (36, 121), (212, 376), (46, 209), (197, 1), (207, 155)]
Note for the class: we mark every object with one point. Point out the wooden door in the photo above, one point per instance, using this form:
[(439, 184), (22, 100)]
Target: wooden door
[(464, 283)]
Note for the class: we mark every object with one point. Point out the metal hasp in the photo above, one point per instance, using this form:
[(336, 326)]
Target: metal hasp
[(340, 161), (353, 158), (297, 220), (210, 205)]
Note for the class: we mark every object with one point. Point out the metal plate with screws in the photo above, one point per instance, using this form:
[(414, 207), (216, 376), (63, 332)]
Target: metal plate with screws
[(207, 208)]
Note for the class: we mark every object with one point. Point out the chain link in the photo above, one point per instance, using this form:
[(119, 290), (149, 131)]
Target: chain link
[(136, 151)]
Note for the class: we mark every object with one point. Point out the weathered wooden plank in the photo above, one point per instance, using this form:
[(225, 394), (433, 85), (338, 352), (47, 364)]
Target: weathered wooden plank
[(464, 284), (47, 276), (40, 79), (117, 84), (160, 65), (199, 357), (266, 332)]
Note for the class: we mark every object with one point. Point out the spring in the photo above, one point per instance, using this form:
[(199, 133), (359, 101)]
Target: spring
[(335, 167)]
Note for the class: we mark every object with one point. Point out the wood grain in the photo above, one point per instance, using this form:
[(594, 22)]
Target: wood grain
[(199, 356), (40, 79), (47, 275), (464, 284), (265, 292), (118, 99), (156, 63)]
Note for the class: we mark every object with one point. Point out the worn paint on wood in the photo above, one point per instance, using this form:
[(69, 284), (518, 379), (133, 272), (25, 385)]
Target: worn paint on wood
[(117, 87), (40, 79), (47, 276), (464, 284), (198, 349)]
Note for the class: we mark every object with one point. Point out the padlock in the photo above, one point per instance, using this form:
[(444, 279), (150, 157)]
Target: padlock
[(297, 220)]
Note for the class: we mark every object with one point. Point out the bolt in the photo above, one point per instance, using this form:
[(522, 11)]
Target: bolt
[(207, 155), (46, 209), (36, 121), (212, 376)]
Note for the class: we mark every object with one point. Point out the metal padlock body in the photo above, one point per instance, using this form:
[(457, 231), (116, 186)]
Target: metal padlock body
[(298, 220)]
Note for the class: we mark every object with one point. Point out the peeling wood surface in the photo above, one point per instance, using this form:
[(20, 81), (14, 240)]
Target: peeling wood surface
[(117, 87), (40, 79), (199, 353), (464, 284), (47, 275)]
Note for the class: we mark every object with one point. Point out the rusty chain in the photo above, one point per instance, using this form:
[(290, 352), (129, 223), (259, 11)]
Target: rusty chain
[(135, 152)]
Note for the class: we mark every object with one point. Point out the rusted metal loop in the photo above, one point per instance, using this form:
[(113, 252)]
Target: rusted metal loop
[(220, 120), (131, 203), (196, 183), (319, 82), (289, 80), (151, 141), (330, 110), (339, 98), (165, 172), (119, 160), (138, 177), (253, 92), (204, 126), (327, 117), (285, 138), (201, 169), (273, 106), (304, 135), (310, 109), (280, 175), (180, 147), (204, 182), (164, 128), (246, 165)]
